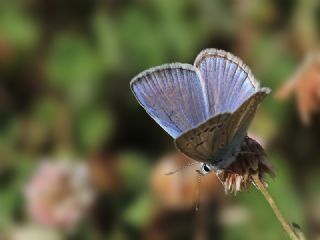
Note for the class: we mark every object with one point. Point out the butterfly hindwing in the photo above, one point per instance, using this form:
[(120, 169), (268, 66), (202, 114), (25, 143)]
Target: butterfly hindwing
[(242, 117), (201, 142), (172, 95)]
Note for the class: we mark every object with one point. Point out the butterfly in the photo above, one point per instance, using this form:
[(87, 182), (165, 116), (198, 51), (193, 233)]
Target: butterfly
[(206, 107)]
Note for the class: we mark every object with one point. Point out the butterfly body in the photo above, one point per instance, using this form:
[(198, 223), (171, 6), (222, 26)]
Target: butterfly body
[(206, 107)]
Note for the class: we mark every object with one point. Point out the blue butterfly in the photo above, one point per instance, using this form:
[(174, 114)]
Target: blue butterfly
[(206, 107)]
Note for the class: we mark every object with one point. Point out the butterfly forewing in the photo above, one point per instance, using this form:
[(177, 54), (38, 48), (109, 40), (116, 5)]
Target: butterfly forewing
[(172, 96), (228, 82)]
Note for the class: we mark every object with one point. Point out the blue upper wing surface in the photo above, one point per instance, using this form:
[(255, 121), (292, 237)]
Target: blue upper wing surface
[(172, 94), (228, 82)]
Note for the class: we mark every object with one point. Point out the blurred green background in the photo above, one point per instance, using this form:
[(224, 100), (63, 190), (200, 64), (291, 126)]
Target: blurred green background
[(64, 92)]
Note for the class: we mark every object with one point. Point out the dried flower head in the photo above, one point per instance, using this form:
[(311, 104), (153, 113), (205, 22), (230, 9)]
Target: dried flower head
[(306, 85), (58, 194), (250, 160)]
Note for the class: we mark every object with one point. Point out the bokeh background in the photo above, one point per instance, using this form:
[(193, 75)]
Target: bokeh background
[(64, 96)]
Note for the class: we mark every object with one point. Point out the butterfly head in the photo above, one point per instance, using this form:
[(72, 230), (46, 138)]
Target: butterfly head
[(205, 169)]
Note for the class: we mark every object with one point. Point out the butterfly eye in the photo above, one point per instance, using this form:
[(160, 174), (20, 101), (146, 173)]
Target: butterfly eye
[(205, 168)]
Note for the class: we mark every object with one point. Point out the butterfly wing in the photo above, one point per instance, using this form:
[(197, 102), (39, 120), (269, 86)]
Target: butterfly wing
[(172, 95), (204, 141), (201, 143), (242, 117), (228, 82)]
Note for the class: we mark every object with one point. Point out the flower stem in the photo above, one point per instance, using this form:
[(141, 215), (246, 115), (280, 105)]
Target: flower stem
[(286, 226)]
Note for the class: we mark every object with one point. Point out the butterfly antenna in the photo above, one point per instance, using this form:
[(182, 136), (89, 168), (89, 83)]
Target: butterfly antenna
[(181, 168), (199, 191)]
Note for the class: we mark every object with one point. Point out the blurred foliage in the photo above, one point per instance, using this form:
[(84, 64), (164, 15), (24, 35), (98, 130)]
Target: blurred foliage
[(64, 89), (73, 67), (17, 26)]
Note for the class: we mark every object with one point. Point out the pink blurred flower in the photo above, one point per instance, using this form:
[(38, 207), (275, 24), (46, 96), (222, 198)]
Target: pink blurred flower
[(58, 194)]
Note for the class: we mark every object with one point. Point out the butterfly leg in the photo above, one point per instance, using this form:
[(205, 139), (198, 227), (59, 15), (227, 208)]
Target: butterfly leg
[(197, 201)]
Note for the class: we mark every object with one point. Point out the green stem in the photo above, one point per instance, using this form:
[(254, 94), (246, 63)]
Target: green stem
[(286, 226)]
